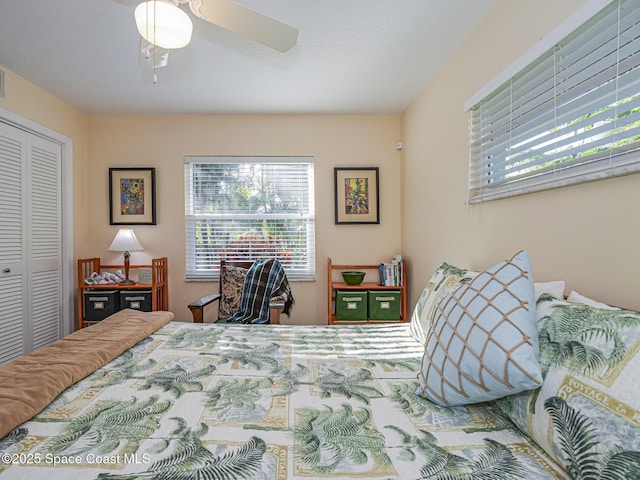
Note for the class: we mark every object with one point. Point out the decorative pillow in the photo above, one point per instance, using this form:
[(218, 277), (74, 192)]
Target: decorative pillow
[(577, 298), (586, 415), (555, 288), (232, 279), (483, 341), (444, 280)]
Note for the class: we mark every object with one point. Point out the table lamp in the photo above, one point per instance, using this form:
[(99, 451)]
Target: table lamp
[(125, 241)]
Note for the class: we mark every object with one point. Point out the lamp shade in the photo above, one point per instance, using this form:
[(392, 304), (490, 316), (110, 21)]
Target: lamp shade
[(163, 24), (125, 241)]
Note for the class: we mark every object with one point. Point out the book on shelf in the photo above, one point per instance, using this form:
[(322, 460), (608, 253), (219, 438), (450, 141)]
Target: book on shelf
[(391, 272)]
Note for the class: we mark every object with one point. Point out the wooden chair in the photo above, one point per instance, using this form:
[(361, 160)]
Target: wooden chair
[(197, 307)]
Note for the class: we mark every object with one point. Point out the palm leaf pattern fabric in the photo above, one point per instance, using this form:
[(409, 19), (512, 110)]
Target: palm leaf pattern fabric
[(585, 340), (207, 401), (586, 415), (585, 457)]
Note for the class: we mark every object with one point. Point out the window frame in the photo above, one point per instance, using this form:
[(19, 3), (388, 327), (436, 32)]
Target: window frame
[(494, 171), (307, 273)]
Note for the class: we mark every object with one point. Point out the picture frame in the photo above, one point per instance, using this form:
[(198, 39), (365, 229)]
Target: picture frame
[(357, 199), (132, 196)]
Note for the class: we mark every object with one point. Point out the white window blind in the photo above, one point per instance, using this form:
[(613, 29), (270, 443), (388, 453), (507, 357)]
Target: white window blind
[(570, 116), (241, 208)]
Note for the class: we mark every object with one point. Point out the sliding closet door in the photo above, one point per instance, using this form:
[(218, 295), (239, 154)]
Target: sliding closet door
[(30, 242), (44, 234), (13, 243)]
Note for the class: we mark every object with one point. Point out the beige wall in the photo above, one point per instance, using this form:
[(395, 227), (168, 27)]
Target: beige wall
[(35, 104), (163, 141), (100, 142), (588, 235)]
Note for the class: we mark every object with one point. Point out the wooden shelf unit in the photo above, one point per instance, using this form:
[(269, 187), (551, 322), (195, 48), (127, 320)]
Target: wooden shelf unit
[(159, 285), (334, 286)]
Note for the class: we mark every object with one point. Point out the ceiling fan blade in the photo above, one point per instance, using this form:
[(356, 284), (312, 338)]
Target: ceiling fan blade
[(246, 22), (151, 55)]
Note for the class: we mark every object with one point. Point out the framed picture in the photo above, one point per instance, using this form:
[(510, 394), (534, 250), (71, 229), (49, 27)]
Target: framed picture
[(132, 196), (357, 199)]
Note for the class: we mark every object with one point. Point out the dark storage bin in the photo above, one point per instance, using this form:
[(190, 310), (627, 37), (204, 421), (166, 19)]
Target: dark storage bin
[(384, 305), (136, 299), (351, 305), (99, 304)]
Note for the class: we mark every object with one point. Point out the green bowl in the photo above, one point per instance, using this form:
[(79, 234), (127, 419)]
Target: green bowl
[(353, 278)]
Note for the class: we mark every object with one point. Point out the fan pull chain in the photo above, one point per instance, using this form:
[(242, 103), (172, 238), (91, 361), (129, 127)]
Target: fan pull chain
[(155, 76)]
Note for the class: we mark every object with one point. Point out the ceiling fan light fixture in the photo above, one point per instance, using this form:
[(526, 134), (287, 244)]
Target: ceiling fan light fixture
[(163, 24)]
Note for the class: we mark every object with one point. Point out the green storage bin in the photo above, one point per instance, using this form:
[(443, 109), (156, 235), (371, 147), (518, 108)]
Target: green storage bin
[(384, 305), (351, 306)]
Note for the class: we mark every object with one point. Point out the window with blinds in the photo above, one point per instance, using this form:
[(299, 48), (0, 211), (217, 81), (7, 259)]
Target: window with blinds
[(241, 208), (572, 115)]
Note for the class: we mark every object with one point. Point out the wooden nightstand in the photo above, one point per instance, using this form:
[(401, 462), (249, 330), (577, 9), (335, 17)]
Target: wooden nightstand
[(158, 288)]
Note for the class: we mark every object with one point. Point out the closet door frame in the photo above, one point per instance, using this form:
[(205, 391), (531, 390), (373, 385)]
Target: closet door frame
[(66, 145)]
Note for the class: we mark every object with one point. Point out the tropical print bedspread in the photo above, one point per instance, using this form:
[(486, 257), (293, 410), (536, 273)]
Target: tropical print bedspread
[(266, 402)]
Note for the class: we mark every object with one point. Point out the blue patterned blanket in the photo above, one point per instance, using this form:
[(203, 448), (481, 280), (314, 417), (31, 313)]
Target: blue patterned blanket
[(265, 280)]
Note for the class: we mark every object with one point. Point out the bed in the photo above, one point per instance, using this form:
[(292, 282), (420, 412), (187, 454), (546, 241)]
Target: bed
[(257, 401)]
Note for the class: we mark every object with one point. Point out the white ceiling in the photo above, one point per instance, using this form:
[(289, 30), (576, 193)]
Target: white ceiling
[(352, 56)]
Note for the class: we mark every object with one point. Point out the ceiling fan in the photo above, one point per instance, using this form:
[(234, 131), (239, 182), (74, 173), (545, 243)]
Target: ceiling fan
[(164, 26)]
